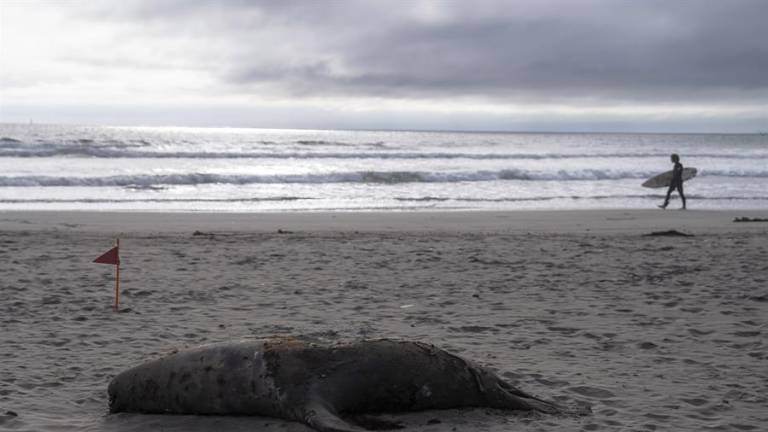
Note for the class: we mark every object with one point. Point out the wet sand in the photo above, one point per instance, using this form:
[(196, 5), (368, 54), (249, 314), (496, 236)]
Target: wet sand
[(655, 333)]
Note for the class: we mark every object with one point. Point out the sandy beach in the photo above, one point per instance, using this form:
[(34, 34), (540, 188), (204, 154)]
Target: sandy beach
[(652, 332)]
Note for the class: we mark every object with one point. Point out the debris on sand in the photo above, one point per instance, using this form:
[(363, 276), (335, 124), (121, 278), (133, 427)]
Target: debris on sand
[(203, 234), (668, 233), (746, 219)]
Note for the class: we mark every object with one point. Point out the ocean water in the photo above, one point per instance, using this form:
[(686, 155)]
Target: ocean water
[(52, 167)]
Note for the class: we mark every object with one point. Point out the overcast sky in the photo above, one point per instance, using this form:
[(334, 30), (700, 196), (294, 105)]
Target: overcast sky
[(536, 65)]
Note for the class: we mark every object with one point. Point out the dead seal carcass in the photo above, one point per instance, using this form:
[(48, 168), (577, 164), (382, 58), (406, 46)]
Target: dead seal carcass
[(313, 384)]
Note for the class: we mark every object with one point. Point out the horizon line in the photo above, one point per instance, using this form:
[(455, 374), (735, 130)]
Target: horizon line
[(427, 130)]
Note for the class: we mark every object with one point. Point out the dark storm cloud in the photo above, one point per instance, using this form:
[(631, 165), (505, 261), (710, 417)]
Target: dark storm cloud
[(538, 51)]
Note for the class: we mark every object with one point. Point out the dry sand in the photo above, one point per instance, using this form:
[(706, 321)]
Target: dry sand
[(655, 333)]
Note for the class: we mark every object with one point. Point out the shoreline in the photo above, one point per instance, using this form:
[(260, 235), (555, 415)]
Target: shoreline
[(518, 221)]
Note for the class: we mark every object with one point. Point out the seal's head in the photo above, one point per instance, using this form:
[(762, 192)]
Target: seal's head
[(158, 386), (116, 402), (224, 378)]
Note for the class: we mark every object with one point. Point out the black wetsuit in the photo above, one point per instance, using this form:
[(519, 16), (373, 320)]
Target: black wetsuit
[(677, 183)]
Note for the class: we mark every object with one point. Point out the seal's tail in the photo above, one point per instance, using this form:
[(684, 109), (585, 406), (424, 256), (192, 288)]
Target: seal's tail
[(520, 400), (535, 404), (517, 399)]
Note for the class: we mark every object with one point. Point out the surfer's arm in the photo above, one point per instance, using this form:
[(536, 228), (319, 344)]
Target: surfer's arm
[(677, 173)]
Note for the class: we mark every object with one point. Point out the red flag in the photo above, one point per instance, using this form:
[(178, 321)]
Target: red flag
[(110, 257)]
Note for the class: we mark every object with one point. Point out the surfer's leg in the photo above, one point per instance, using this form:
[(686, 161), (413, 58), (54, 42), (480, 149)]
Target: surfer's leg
[(666, 200), (682, 195)]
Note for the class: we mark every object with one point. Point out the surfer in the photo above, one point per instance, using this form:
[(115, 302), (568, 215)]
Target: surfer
[(677, 181)]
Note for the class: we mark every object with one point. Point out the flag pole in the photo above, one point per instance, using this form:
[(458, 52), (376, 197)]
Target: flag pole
[(117, 279)]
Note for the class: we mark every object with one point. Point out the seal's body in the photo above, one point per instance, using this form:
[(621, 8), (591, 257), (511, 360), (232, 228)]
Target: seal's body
[(313, 384)]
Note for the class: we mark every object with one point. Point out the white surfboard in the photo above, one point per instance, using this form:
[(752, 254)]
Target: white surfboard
[(664, 179)]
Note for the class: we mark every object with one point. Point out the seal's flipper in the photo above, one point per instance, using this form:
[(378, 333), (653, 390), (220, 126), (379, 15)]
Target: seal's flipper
[(375, 423), (520, 400), (535, 404), (322, 419)]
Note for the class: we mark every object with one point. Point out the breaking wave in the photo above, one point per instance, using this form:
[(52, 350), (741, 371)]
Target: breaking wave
[(151, 200), (135, 149), (425, 199), (376, 177), (576, 197)]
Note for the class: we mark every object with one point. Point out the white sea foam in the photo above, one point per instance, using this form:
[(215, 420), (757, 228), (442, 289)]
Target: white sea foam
[(128, 151), (384, 177)]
